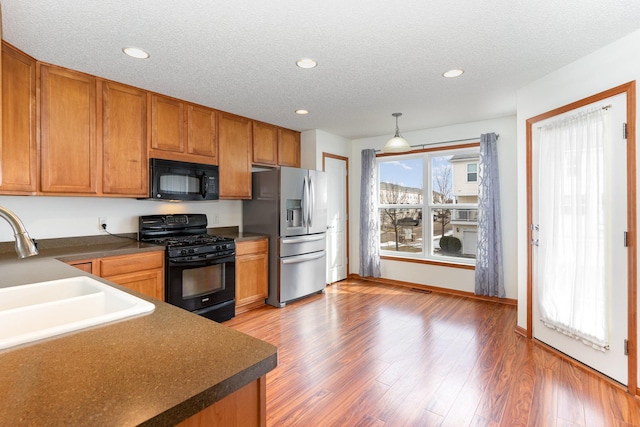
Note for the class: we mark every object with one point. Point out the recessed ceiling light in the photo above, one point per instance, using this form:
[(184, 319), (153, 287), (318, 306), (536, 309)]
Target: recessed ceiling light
[(306, 63), (453, 73), (134, 52), (302, 112)]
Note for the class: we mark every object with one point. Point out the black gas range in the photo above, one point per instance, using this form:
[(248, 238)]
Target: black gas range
[(199, 267)]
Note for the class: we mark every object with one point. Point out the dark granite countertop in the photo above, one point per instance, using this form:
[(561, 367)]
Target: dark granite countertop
[(155, 369), (85, 247)]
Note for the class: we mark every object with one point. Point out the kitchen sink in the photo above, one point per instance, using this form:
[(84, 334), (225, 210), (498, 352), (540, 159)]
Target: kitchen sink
[(41, 310)]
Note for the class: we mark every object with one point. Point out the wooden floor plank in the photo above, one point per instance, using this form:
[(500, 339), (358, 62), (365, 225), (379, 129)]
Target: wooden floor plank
[(368, 354)]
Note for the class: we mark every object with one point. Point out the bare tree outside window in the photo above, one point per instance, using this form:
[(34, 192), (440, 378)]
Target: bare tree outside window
[(399, 224), (442, 194), (392, 194)]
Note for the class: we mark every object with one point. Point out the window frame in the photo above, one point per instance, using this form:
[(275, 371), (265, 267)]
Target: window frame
[(426, 256)]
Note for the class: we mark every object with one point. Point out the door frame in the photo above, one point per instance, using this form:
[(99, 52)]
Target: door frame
[(346, 204), (630, 90)]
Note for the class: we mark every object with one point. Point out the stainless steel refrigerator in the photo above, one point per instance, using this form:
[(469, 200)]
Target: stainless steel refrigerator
[(290, 205)]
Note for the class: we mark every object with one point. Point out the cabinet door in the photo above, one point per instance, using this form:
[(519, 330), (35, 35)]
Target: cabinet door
[(124, 140), (288, 148), (234, 145), (167, 124), (245, 407), (141, 272), (252, 273), (68, 131), (147, 282), (201, 139), (18, 161), (265, 144)]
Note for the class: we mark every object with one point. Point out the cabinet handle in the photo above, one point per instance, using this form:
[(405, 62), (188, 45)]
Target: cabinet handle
[(303, 239), (302, 258)]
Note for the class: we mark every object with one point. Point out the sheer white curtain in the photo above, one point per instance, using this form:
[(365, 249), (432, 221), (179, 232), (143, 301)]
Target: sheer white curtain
[(573, 289)]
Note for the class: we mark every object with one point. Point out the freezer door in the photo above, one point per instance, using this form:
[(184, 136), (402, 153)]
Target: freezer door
[(302, 275), (297, 245), (317, 202), (293, 208)]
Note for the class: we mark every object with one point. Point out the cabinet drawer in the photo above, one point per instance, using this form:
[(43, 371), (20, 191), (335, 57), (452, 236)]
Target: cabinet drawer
[(251, 247), (84, 265), (112, 266)]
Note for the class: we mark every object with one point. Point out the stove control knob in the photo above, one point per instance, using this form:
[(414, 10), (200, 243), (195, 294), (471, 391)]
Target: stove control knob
[(191, 250), (183, 252), (218, 248)]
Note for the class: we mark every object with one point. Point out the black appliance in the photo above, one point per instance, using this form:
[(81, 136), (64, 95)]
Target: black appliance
[(200, 269), (174, 180)]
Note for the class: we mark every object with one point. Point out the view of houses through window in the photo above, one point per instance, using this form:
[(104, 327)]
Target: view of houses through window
[(441, 226)]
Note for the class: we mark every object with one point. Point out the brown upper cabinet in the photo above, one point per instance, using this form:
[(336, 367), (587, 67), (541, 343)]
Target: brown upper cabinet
[(234, 149), (68, 144), (201, 132), (288, 148), (18, 155), (93, 136), (124, 140), (167, 124), (265, 144), (274, 146), (69, 133), (182, 131)]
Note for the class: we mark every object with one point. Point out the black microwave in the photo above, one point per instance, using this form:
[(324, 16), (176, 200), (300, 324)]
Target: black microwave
[(175, 180)]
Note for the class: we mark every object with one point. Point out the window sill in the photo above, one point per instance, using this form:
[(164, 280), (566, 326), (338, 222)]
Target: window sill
[(430, 262)]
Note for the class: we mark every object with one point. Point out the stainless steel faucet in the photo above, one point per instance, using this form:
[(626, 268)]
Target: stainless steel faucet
[(24, 245)]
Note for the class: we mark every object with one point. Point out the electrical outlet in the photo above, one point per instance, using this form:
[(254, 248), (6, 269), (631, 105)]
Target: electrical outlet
[(216, 218), (102, 223)]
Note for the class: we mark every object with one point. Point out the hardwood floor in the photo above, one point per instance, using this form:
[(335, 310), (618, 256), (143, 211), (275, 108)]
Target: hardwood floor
[(365, 354)]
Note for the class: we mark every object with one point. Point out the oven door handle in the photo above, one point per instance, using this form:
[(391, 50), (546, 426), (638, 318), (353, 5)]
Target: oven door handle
[(203, 261), (191, 262)]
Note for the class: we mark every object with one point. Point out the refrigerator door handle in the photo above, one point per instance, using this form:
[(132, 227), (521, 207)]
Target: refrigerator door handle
[(305, 202), (312, 197), (302, 258), (303, 239)]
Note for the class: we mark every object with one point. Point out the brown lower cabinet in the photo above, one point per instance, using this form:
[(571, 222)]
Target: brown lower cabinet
[(142, 272), (252, 274), (246, 407)]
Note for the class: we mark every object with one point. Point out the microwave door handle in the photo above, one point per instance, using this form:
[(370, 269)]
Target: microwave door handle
[(204, 185)]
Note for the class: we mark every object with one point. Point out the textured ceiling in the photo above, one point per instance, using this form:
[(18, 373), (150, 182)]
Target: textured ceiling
[(375, 57)]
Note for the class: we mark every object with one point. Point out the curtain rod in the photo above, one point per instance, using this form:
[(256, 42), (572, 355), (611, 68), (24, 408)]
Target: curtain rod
[(442, 142)]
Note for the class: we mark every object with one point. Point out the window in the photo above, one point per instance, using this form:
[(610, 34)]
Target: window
[(441, 226), (472, 172)]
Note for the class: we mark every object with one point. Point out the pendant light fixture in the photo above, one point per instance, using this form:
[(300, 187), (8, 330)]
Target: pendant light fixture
[(397, 144)]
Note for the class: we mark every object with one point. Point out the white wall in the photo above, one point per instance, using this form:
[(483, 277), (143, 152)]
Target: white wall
[(446, 277), (315, 142), (52, 217), (603, 69)]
